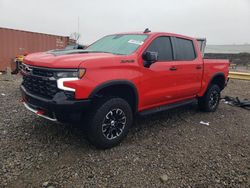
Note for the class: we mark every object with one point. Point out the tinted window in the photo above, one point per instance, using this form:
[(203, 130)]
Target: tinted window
[(163, 47), (184, 49)]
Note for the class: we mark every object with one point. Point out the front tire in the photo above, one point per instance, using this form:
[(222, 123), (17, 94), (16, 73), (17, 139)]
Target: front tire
[(109, 123), (210, 101)]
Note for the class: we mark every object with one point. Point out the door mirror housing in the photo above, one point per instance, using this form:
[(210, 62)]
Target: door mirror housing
[(149, 58)]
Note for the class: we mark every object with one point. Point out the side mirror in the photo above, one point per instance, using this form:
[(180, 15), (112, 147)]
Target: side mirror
[(149, 58)]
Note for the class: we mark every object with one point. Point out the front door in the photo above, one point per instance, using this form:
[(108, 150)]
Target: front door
[(158, 83)]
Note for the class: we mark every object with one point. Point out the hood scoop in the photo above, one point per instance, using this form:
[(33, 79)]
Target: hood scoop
[(76, 51), (65, 52)]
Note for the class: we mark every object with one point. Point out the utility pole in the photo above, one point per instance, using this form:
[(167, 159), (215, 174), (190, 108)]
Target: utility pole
[(78, 24)]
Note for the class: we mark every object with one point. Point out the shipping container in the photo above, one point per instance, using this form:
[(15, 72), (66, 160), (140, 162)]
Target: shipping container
[(16, 42)]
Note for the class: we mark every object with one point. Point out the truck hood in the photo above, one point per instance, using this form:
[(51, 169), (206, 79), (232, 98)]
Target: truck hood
[(68, 60)]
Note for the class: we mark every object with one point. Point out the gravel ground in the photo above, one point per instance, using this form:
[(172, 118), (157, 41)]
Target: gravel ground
[(170, 149)]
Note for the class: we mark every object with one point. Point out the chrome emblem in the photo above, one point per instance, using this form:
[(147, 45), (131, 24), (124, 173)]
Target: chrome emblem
[(26, 68)]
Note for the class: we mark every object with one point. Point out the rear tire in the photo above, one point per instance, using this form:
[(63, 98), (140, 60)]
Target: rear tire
[(109, 123), (210, 101)]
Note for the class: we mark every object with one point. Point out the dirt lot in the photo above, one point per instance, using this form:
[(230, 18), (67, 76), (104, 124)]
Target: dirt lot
[(36, 153)]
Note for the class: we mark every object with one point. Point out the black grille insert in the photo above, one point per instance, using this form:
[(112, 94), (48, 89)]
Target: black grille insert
[(42, 72), (40, 86), (42, 81)]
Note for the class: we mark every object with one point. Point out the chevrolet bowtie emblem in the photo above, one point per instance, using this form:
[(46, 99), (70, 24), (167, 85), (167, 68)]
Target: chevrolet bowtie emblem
[(27, 68)]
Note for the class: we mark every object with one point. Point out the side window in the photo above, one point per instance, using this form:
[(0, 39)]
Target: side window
[(184, 49), (162, 45)]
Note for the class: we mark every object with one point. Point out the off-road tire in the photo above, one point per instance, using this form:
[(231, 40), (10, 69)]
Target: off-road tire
[(102, 111), (210, 101)]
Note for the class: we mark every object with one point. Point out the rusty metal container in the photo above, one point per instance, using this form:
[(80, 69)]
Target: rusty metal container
[(15, 42)]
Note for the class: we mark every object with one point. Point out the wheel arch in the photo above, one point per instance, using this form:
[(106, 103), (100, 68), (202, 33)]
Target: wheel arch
[(219, 79), (117, 88)]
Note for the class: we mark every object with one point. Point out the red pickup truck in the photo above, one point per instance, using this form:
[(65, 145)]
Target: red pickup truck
[(105, 85)]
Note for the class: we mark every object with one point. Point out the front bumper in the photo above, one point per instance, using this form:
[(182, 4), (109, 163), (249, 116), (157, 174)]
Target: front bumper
[(60, 108)]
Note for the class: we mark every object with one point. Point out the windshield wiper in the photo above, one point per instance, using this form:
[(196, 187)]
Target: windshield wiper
[(92, 51)]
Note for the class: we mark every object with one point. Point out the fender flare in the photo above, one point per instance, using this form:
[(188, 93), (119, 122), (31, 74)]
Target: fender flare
[(116, 83), (204, 88), (215, 75)]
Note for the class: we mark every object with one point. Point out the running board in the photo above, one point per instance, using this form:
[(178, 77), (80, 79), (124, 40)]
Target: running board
[(166, 107)]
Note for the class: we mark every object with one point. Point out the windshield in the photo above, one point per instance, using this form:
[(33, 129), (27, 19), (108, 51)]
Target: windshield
[(123, 44), (70, 47)]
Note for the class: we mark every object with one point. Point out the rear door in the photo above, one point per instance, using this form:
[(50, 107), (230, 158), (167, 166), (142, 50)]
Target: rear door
[(188, 68)]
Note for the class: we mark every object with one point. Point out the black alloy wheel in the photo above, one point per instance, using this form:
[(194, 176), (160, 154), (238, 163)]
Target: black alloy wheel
[(109, 122), (114, 123), (211, 99)]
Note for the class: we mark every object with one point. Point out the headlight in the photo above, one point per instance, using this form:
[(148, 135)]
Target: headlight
[(66, 76), (71, 74), (81, 73)]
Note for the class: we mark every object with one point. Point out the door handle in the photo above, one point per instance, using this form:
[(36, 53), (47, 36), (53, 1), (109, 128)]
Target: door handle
[(198, 67), (173, 68)]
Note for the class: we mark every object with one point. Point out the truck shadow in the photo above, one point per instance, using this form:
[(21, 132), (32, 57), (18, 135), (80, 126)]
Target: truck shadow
[(48, 132)]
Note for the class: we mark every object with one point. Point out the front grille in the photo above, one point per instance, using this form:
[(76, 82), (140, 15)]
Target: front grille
[(42, 82), (42, 72), (39, 86)]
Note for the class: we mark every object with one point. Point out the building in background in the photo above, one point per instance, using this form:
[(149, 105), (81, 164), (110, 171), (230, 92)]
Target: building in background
[(15, 42)]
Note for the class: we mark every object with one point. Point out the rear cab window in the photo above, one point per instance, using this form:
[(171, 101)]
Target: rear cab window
[(184, 49)]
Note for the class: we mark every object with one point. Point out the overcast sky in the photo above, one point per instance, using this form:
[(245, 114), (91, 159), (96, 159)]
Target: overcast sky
[(220, 21)]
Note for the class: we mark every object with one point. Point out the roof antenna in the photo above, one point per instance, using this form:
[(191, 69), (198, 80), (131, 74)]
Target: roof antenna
[(147, 30)]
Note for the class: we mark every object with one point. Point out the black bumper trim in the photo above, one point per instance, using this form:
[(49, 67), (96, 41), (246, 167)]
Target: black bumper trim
[(60, 105)]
